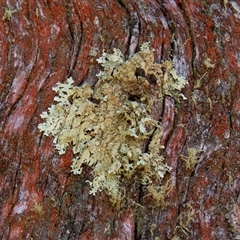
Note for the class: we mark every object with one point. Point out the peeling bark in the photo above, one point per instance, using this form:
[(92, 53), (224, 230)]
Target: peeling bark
[(44, 42)]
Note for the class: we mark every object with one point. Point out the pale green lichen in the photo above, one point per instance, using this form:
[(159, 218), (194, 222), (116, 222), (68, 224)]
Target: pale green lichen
[(208, 64), (184, 219), (192, 159), (8, 14), (107, 126)]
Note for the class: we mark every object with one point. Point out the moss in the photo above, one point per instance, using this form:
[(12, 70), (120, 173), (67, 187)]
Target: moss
[(107, 126)]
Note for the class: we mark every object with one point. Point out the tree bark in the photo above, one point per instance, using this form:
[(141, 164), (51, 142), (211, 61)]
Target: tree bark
[(44, 42)]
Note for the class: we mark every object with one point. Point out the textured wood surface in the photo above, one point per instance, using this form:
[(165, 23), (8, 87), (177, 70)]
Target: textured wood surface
[(44, 42)]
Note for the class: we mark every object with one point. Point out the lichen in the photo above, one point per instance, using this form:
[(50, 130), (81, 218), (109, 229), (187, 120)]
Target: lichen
[(192, 159), (208, 64), (108, 126), (8, 14), (184, 219)]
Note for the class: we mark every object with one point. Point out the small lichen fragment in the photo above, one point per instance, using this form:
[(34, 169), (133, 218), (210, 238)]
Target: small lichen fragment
[(8, 14), (107, 126), (184, 219), (208, 64), (192, 159)]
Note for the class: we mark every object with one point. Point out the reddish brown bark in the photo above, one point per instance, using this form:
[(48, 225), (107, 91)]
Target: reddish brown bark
[(44, 42)]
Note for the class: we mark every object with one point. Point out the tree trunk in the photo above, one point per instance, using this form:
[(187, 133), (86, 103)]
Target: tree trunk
[(44, 42)]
